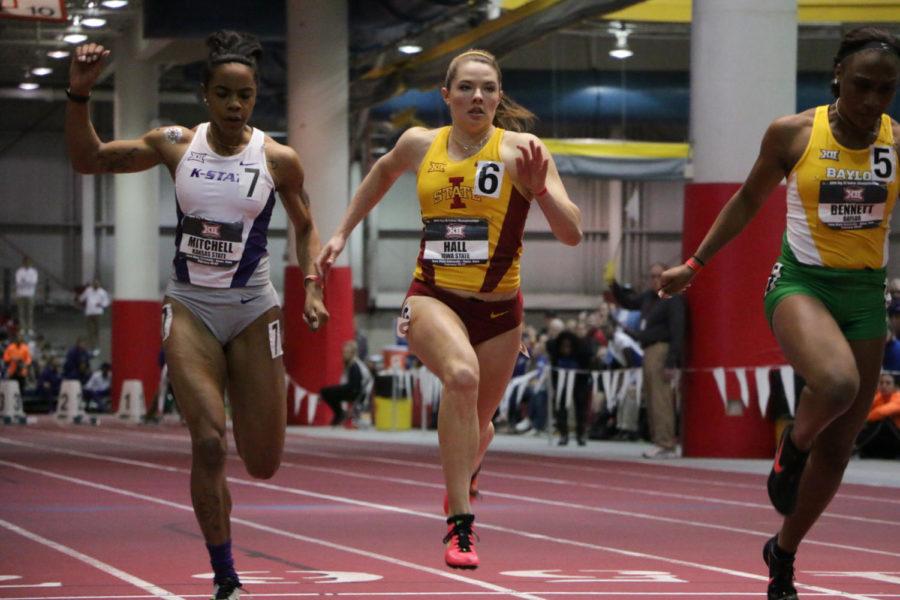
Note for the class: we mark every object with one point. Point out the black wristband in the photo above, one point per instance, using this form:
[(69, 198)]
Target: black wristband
[(77, 98), (702, 262)]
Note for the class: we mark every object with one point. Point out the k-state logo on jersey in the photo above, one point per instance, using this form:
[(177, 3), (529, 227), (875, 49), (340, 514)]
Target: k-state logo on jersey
[(197, 156), (212, 230), (825, 154)]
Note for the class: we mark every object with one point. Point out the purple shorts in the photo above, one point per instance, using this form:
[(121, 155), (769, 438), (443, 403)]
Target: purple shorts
[(483, 320)]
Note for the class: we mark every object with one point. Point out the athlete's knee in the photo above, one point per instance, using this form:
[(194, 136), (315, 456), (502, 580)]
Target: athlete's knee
[(209, 450), (838, 389), (262, 467), (462, 378)]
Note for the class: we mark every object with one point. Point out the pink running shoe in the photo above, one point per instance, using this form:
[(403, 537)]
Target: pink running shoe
[(459, 552)]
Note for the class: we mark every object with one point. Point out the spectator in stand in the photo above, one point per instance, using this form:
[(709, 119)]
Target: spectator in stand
[(8, 328), (48, 383), (880, 438), (78, 362), (568, 351), (17, 360), (661, 336), (97, 388), (95, 300), (354, 383), (26, 288), (891, 361)]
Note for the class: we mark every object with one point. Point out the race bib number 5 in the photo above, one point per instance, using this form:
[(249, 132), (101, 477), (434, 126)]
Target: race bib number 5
[(884, 163)]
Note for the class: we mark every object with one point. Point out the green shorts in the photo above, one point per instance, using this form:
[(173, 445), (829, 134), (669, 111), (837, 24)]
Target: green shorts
[(855, 298)]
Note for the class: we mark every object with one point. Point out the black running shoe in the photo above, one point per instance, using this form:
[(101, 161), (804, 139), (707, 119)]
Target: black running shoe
[(781, 572), (784, 480), (229, 589)]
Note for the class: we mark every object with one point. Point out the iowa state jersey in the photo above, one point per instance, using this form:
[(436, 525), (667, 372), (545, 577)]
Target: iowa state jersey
[(224, 206), (473, 219), (839, 201)]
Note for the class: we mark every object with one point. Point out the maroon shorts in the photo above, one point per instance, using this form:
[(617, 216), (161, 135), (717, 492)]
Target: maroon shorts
[(483, 320)]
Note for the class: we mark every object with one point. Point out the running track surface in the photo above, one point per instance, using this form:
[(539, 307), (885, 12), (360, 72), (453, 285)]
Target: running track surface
[(104, 513)]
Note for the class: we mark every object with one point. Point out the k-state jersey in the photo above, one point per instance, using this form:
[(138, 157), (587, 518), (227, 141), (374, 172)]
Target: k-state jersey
[(224, 206), (839, 200)]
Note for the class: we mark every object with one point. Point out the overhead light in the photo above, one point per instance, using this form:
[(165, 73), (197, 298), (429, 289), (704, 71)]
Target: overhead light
[(114, 3), (41, 71), (621, 51), (93, 22), (410, 48), (57, 54), (28, 86), (74, 38)]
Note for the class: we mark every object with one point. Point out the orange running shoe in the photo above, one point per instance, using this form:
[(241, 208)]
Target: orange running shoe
[(459, 552), (473, 491)]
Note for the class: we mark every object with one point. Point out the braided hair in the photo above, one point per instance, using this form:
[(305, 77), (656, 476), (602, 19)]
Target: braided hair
[(227, 46)]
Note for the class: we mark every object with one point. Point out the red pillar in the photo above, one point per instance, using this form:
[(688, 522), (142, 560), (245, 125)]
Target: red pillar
[(313, 359), (135, 348), (727, 326)]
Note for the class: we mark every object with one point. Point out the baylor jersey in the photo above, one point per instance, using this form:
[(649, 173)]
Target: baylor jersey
[(839, 201), (473, 219)]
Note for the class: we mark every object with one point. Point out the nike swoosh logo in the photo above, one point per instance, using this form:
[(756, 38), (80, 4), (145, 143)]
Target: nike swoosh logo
[(499, 314), (246, 300), (777, 466)]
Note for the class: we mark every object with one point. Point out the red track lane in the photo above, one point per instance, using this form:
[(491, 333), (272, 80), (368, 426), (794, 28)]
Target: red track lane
[(551, 527)]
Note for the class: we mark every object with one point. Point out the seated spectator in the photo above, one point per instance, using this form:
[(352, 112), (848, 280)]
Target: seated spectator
[(78, 362), (354, 384), (96, 390), (48, 383), (17, 361), (567, 351), (880, 438)]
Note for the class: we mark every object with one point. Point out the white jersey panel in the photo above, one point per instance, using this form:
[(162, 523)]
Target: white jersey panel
[(224, 207), (799, 237)]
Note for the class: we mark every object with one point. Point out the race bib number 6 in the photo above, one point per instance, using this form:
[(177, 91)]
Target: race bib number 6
[(488, 178)]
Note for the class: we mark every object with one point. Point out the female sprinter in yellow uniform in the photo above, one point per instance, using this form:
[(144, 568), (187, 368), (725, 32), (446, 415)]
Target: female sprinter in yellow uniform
[(463, 313)]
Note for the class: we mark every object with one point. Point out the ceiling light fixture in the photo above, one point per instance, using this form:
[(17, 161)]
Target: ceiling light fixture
[(410, 48), (28, 86), (114, 3), (93, 22), (57, 54), (41, 71), (74, 38), (621, 51)]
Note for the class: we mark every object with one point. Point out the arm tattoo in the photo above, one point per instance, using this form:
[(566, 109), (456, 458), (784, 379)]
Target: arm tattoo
[(117, 161), (173, 134)]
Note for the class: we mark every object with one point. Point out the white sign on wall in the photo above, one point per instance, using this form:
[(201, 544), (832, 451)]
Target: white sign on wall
[(39, 10)]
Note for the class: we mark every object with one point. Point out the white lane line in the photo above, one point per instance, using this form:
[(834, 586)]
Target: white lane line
[(557, 503), (400, 510), (507, 455), (564, 482), (449, 594), (258, 526), (153, 590), (604, 487)]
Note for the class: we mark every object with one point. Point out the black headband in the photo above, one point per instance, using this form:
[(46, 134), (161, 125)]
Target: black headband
[(872, 44)]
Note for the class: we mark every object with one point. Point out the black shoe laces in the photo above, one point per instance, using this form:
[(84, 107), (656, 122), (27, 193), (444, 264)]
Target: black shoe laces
[(462, 530)]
